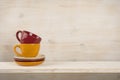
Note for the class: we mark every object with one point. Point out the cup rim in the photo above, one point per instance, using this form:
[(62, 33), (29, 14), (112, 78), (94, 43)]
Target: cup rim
[(29, 44), (32, 33)]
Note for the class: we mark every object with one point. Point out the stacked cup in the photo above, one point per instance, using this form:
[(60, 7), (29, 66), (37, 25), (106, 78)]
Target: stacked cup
[(29, 49)]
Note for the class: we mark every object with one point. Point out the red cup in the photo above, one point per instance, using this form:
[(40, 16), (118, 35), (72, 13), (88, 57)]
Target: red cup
[(26, 37)]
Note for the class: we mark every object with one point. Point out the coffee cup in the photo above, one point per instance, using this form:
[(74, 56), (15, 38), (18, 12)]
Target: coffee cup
[(26, 37), (27, 50)]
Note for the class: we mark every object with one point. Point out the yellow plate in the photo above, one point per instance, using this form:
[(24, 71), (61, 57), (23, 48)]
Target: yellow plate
[(31, 61)]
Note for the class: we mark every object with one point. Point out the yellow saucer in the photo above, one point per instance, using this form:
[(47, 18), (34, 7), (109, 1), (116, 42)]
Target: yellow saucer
[(29, 63), (23, 61)]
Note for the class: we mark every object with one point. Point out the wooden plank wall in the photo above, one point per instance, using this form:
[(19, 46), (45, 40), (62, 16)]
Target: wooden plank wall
[(70, 29)]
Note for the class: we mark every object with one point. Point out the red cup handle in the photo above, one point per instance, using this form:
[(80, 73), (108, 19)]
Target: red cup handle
[(17, 35)]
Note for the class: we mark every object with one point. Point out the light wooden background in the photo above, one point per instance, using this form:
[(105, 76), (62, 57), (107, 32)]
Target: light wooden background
[(71, 30)]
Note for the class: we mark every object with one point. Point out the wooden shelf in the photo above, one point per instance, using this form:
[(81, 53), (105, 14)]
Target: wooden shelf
[(63, 67)]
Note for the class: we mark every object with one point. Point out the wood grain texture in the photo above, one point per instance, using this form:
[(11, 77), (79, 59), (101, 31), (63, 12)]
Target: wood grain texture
[(63, 67), (60, 76), (72, 30)]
